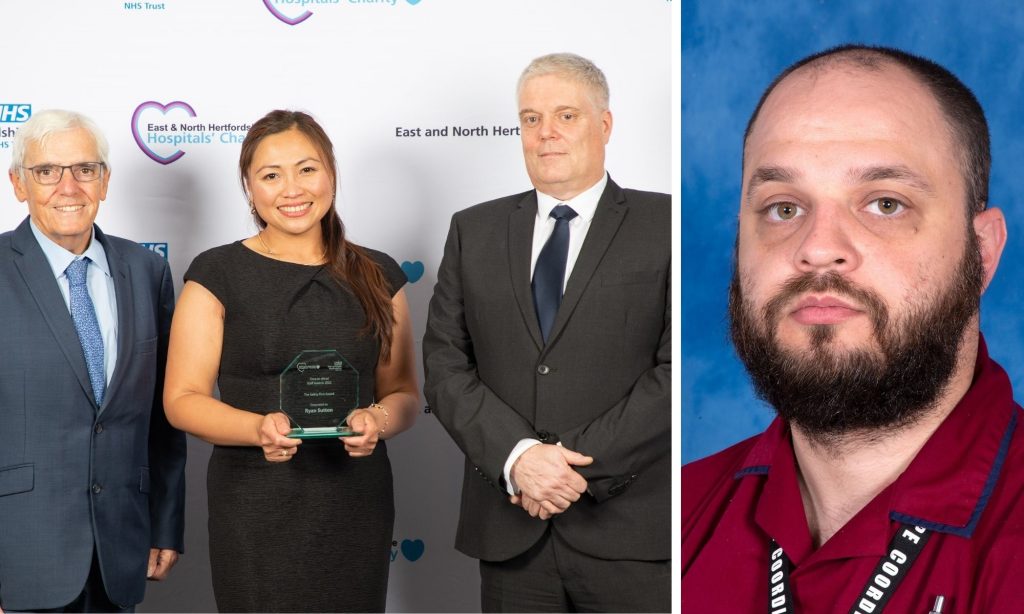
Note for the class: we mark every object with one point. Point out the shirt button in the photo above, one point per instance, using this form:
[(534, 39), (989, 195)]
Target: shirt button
[(96, 488), (543, 369), (98, 429)]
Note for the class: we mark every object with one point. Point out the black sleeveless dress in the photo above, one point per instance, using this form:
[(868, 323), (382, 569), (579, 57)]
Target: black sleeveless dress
[(312, 534)]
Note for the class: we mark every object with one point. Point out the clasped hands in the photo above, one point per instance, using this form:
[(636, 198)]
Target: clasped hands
[(160, 562), (546, 480), (279, 448)]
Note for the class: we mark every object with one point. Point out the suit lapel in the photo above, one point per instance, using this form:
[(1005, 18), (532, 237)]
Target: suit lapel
[(611, 210), (35, 271), (120, 272), (520, 248)]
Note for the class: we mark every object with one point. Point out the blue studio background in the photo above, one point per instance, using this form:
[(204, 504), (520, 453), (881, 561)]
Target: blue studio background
[(732, 50)]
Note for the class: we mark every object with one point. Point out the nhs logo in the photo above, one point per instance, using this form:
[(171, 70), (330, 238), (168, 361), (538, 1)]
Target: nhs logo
[(14, 113), (159, 248)]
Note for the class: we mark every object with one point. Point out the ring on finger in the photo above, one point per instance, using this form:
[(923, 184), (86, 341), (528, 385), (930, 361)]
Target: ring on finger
[(284, 452)]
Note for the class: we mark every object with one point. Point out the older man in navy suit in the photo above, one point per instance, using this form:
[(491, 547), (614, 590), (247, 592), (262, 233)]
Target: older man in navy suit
[(91, 474)]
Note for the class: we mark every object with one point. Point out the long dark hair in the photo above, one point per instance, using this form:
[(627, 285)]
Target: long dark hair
[(346, 261)]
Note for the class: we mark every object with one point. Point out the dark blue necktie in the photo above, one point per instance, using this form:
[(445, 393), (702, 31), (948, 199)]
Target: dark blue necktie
[(88, 328), (549, 272)]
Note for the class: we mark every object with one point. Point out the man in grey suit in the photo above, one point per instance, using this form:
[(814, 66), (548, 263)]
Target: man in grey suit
[(91, 474), (548, 360)]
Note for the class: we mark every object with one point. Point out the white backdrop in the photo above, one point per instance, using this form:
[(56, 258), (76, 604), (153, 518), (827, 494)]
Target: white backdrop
[(367, 70)]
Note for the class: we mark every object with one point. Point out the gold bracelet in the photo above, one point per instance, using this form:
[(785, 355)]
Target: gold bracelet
[(386, 416)]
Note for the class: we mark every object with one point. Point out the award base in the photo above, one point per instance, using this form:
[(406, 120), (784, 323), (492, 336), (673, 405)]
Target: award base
[(322, 432)]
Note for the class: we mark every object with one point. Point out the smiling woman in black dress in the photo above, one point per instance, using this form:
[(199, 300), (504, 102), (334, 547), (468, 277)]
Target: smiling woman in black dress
[(293, 527)]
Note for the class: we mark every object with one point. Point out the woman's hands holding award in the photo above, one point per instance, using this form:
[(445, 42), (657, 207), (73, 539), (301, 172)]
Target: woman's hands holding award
[(277, 446), (362, 421)]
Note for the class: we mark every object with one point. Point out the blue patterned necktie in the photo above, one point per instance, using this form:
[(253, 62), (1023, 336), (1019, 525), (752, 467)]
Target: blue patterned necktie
[(88, 328), (549, 272)]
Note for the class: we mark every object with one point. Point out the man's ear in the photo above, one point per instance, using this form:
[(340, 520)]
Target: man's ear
[(990, 227), (19, 188), (606, 125)]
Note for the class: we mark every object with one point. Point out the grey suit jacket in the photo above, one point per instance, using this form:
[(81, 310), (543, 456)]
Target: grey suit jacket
[(602, 383), (72, 474)]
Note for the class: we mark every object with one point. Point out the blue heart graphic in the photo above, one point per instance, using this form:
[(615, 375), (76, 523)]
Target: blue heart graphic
[(413, 2), (413, 270), (412, 548)]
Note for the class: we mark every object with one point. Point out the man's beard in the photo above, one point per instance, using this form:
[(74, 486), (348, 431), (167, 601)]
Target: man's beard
[(830, 393)]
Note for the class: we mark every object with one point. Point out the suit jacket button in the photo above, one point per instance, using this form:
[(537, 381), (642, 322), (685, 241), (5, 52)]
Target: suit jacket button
[(543, 369), (546, 437), (98, 429), (96, 488)]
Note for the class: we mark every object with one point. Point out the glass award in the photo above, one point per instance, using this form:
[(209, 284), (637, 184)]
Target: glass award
[(318, 390)]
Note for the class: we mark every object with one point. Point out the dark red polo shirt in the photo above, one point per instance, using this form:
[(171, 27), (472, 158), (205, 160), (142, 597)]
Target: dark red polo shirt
[(966, 485)]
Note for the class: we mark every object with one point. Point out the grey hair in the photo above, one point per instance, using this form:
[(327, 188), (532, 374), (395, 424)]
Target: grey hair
[(575, 67), (42, 125)]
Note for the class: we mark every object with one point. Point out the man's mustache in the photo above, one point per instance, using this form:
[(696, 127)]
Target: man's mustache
[(830, 282)]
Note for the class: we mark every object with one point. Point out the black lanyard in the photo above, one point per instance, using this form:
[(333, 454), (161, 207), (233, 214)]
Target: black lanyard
[(890, 571)]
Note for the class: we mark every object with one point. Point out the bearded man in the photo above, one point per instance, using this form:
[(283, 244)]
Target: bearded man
[(892, 476)]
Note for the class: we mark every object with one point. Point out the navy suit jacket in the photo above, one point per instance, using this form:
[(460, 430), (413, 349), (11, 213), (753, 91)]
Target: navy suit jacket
[(602, 382), (74, 476)]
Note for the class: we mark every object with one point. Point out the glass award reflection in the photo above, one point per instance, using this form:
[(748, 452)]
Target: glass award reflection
[(318, 390)]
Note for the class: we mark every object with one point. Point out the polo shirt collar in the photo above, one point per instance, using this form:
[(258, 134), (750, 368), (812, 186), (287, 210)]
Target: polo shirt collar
[(945, 488)]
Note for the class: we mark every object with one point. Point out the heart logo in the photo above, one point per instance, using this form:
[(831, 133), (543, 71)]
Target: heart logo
[(288, 20), (412, 548), (413, 270), (413, 2), (163, 108)]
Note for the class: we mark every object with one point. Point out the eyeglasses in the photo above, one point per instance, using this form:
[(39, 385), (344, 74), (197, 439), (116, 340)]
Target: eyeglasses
[(50, 174)]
